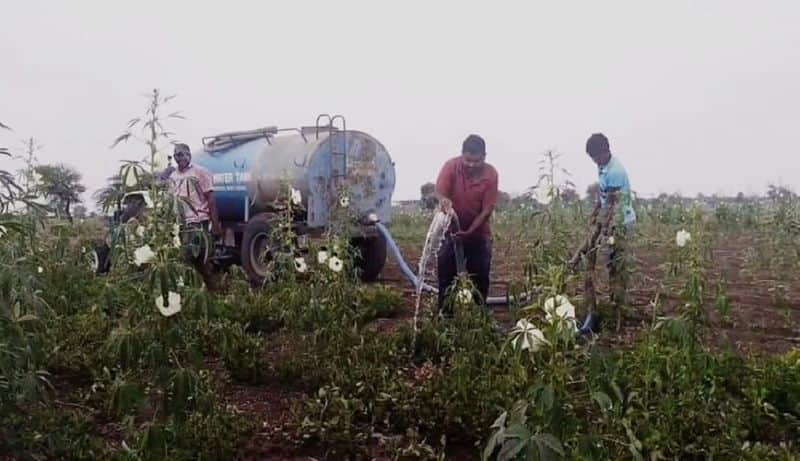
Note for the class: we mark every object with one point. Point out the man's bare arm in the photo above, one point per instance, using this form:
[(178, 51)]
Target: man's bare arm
[(479, 220)]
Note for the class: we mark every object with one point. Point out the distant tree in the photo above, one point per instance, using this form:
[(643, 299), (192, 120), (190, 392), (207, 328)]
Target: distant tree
[(9, 190), (111, 195), (570, 195), (503, 198), (592, 190), (80, 212), (428, 196), (780, 193), (61, 186)]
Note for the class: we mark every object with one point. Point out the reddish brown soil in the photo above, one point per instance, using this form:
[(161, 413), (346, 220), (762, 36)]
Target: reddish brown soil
[(758, 322)]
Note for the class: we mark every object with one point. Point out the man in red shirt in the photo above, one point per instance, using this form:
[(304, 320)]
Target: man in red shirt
[(467, 185)]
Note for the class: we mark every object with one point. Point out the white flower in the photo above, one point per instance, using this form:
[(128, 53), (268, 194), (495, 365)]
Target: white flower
[(140, 231), (344, 202), (40, 269), (176, 235), (179, 282), (143, 255), (297, 198), (527, 336), (560, 307), (3, 231), (335, 264), (682, 238), (464, 296), (545, 194), (300, 265), (611, 241), (173, 305), (322, 257)]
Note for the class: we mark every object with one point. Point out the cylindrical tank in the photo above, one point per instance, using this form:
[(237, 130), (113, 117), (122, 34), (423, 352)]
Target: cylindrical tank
[(322, 165)]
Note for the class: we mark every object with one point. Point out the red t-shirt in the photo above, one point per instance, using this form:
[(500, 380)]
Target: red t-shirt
[(470, 195)]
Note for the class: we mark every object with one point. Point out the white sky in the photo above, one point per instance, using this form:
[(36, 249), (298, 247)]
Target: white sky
[(696, 96)]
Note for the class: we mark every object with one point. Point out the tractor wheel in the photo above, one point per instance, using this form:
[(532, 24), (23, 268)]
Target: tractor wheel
[(371, 257), (100, 258), (255, 249)]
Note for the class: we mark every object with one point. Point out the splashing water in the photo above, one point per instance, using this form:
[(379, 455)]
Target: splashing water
[(433, 240)]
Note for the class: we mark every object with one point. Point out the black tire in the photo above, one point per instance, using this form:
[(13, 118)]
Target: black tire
[(255, 243), (132, 209), (371, 257), (100, 258)]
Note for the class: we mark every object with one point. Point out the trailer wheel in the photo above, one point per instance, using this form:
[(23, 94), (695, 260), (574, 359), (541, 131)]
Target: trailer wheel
[(99, 259), (371, 257), (255, 249)]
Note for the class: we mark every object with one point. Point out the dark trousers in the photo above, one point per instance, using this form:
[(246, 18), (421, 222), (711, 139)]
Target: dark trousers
[(478, 258), (198, 247)]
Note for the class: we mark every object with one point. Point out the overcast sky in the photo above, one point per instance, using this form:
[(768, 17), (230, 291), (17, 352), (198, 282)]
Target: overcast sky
[(696, 96)]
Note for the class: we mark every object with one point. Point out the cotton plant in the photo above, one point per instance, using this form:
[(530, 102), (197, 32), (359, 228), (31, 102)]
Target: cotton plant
[(545, 194), (560, 312), (296, 197), (553, 179), (152, 250), (682, 237), (683, 254), (171, 306), (526, 336), (335, 264), (464, 296), (559, 326), (300, 265)]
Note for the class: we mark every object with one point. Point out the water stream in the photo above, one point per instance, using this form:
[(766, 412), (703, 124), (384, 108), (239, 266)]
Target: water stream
[(433, 241)]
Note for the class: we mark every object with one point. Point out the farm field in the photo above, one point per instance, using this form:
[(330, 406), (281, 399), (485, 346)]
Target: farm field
[(145, 363)]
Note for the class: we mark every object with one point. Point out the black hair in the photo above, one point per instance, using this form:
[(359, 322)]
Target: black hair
[(474, 144), (179, 146), (597, 144)]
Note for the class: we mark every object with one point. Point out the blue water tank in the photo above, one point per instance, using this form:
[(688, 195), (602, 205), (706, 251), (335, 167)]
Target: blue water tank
[(323, 165)]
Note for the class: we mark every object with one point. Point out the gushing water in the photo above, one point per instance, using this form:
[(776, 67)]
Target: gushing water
[(433, 240)]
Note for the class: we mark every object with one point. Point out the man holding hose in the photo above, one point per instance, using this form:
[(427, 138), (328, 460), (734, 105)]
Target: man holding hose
[(612, 222), (467, 187)]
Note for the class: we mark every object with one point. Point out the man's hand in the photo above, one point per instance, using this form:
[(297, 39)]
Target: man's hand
[(461, 235), (216, 229)]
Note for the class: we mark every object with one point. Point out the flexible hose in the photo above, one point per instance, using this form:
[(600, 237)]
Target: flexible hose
[(409, 274), (588, 325)]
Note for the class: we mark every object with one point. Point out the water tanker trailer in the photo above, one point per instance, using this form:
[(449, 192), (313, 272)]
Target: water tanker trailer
[(250, 167)]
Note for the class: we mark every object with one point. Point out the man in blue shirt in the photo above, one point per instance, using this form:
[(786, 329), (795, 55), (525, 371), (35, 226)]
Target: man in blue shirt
[(612, 222)]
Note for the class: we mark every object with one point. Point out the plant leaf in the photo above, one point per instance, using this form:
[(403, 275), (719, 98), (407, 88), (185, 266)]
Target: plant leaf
[(121, 138), (603, 400), (549, 446)]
